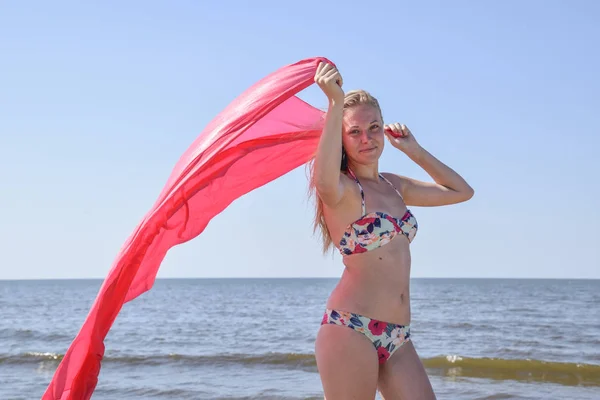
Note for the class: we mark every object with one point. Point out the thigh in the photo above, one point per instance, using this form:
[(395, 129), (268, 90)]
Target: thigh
[(347, 363), (403, 376)]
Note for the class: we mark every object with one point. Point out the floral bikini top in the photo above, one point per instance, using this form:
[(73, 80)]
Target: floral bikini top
[(376, 228)]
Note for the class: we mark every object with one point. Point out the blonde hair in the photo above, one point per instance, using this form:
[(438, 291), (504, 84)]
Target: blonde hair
[(352, 98)]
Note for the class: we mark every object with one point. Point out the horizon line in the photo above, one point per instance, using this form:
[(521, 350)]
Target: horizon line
[(296, 277)]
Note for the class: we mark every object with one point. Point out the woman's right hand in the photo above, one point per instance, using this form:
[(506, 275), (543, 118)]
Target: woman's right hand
[(330, 81)]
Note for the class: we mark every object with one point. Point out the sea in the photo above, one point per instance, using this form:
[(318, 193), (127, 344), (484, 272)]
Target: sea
[(254, 338)]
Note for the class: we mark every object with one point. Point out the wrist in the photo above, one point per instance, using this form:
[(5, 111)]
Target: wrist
[(336, 103)]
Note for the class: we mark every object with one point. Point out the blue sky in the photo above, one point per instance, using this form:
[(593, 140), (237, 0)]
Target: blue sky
[(99, 100)]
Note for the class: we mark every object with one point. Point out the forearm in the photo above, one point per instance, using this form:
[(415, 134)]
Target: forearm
[(329, 151), (440, 172)]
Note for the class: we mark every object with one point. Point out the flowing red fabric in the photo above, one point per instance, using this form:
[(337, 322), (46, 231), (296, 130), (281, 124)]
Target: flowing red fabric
[(263, 134)]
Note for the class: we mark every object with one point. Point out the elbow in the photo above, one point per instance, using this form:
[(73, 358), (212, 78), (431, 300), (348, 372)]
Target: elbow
[(469, 193), (463, 194)]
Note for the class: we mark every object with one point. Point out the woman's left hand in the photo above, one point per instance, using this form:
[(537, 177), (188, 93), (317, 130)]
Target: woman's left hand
[(401, 138)]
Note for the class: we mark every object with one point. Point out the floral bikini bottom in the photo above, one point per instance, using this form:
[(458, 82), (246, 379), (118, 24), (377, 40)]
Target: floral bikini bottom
[(386, 337)]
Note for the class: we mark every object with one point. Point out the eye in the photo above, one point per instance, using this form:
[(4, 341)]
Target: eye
[(374, 127), (354, 131)]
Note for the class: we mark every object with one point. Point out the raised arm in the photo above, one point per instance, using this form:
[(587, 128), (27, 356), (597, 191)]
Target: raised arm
[(448, 186), (328, 180)]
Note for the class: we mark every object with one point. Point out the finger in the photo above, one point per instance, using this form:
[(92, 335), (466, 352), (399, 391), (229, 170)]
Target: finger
[(319, 68), (338, 79), (321, 71), (335, 76), (318, 71), (329, 74), (390, 132), (398, 129), (405, 130)]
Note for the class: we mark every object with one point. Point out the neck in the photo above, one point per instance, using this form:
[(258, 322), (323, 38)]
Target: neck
[(365, 172)]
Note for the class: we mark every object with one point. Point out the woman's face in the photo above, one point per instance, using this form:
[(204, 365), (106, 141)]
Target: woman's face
[(362, 134)]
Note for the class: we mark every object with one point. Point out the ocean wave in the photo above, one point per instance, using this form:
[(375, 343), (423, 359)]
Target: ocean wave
[(565, 373), (288, 359), (30, 334), (530, 370)]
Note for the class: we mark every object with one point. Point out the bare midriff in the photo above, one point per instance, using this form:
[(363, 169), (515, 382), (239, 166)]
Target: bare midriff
[(376, 284)]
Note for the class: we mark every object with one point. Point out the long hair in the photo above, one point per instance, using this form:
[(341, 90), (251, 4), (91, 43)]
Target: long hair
[(352, 98)]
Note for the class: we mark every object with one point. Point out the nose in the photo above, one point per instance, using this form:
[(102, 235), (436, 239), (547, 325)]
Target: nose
[(365, 136)]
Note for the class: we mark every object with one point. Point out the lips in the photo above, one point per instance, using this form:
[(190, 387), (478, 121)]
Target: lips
[(367, 150)]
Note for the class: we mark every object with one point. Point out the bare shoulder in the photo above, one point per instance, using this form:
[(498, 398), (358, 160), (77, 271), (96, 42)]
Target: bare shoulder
[(399, 181)]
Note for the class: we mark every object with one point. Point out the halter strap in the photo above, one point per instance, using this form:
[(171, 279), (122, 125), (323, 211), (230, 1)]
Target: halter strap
[(362, 192), (392, 185)]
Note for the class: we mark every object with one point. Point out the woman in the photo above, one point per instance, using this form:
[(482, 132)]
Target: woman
[(364, 341)]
